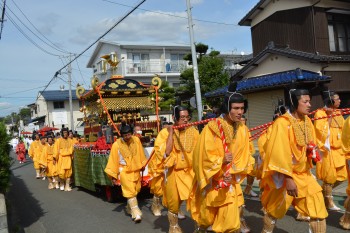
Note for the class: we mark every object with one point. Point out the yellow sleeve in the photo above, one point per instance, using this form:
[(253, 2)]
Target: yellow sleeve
[(112, 167), (346, 138), (43, 157), (241, 151), (156, 163), (278, 154), (321, 129), (31, 149)]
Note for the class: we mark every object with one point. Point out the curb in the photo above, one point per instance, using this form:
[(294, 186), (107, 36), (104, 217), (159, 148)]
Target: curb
[(3, 215)]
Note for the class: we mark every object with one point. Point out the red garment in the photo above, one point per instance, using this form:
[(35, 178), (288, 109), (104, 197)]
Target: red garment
[(21, 152), (101, 144)]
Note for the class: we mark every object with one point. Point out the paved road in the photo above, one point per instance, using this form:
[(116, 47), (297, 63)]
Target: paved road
[(35, 209)]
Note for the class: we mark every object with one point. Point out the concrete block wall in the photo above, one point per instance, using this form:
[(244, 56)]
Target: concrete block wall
[(3, 215)]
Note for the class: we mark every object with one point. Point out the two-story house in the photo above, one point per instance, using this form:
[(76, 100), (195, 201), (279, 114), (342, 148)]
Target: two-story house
[(301, 43), (140, 62), (52, 109)]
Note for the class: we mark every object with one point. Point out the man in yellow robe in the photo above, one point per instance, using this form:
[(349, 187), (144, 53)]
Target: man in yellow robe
[(156, 170), (63, 152), (125, 162), (48, 162), (215, 208), (287, 167), (34, 154), (345, 219), (178, 165), (331, 170)]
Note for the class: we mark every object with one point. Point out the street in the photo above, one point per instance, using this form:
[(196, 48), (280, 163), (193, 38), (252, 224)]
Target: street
[(32, 208)]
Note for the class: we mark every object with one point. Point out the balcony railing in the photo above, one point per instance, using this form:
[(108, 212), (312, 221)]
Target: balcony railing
[(145, 67)]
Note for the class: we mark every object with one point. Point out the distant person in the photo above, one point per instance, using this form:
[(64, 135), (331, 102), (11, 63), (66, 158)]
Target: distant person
[(21, 151), (138, 131), (14, 143)]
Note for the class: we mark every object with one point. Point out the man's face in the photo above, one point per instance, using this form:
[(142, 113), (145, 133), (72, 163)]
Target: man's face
[(50, 141), (184, 118), (65, 134), (127, 136), (43, 140), (236, 111), (304, 105), (336, 101), (37, 137), (70, 135)]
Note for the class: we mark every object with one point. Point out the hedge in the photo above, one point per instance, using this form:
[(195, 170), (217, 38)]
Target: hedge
[(5, 160)]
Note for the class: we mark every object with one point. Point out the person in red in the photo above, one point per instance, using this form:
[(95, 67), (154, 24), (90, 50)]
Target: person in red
[(101, 143), (21, 151)]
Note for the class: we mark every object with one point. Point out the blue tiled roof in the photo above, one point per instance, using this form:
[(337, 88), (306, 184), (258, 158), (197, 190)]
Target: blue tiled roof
[(272, 80), (57, 95)]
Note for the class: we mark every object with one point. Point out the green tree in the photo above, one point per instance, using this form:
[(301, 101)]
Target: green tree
[(166, 95), (211, 74), (5, 160)]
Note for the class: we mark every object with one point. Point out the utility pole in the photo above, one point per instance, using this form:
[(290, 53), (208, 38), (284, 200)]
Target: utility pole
[(70, 94), (194, 62)]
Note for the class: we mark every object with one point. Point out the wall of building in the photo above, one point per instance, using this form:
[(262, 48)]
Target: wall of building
[(276, 63)]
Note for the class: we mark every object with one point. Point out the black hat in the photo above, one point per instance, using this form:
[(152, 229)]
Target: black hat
[(294, 96), (327, 97), (232, 96), (124, 129)]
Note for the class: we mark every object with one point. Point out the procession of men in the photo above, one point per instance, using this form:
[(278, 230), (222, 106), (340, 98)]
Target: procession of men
[(204, 170)]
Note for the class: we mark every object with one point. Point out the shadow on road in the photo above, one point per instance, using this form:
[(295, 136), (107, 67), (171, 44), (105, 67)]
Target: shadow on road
[(23, 209)]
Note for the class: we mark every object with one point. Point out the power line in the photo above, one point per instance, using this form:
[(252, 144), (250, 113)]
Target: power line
[(173, 15), (28, 38), (76, 57), (21, 91), (2, 18), (52, 45)]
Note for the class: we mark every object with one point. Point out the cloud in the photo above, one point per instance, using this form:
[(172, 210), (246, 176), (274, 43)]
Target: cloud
[(147, 26), (4, 105)]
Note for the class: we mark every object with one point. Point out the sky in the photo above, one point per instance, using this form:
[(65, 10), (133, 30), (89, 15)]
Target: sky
[(38, 36)]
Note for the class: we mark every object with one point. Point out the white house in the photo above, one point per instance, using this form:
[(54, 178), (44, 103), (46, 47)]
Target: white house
[(52, 109), (141, 62)]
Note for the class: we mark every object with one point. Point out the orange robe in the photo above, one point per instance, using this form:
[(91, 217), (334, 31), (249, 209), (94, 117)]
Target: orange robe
[(156, 164), (208, 206), (63, 152), (47, 160), (332, 167), (124, 163), (285, 157)]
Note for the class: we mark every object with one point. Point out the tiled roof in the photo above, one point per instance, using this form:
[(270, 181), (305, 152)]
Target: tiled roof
[(272, 80), (57, 95), (287, 52)]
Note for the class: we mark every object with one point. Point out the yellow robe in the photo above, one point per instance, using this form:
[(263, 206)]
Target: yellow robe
[(218, 208), (34, 152), (285, 157), (46, 160), (63, 152), (332, 167), (156, 164), (179, 177), (346, 147), (125, 163)]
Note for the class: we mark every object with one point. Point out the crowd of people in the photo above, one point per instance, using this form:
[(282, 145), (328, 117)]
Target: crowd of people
[(52, 157), (206, 169)]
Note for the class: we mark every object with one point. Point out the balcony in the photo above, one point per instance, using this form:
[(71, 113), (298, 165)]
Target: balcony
[(151, 67)]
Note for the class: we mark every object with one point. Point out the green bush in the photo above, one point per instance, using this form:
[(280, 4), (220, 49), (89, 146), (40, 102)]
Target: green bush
[(5, 160)]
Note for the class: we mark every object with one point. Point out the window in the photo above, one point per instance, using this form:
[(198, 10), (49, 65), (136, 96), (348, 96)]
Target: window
[(58, 104), (176, 62), (140, 62), (339, 33)]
